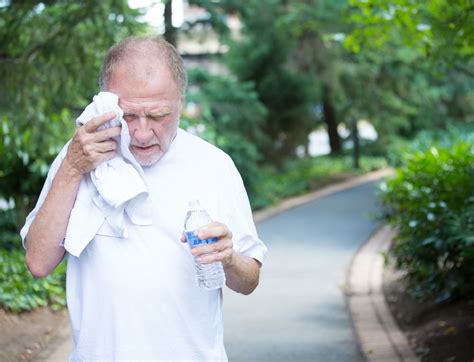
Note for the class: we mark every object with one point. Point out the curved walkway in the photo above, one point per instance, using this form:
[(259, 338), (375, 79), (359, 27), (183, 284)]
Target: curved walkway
[(299, 312)]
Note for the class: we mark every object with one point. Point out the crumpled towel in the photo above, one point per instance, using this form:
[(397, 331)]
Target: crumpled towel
[(114, 188)]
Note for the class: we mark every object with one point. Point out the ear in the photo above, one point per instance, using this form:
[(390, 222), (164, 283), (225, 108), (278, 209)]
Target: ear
[(181, 103)]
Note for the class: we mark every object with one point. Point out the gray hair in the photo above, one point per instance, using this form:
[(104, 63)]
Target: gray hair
[(153, 45)]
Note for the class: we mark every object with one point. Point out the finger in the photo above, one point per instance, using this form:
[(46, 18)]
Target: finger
[(213, 258), (106, 134), (215, 229), (217, 247), (183, 238), (106, 156), (96, 122), (106, 146)]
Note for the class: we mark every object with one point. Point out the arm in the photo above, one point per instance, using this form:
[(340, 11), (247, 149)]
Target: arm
[(43, 252), (242, 272), (87, 149)]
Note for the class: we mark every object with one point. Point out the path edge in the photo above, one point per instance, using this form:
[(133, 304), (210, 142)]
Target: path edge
[(377, 333), (292, 202)]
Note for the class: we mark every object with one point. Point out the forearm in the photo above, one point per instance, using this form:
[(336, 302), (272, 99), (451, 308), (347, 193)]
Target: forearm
[(242, 273), (43, 252)]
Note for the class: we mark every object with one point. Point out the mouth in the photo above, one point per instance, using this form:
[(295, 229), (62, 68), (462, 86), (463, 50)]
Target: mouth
[(144, 149)]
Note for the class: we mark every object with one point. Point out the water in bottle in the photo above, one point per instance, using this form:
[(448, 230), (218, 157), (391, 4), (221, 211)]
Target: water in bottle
[(208, 276)]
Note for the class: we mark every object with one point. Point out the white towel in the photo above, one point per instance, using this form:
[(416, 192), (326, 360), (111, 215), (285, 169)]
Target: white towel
[(114, 188)]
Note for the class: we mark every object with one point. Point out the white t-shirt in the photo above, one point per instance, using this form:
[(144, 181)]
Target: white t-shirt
[(136, 298)]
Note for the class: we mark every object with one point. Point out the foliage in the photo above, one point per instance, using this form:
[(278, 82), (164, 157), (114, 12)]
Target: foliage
[(19, 291), (55, 48), (8, 229), (431, 201), (50, 53), (401, 94), (230, 116), (383, 74), (412, 60), (302, 175), (315, 26), (262, 55), (399, 151), (442, 28)]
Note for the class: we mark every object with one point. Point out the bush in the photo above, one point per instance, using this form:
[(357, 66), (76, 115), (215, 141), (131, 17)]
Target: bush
[(399, 149), (19, 291), (431, 201), (8, 229)]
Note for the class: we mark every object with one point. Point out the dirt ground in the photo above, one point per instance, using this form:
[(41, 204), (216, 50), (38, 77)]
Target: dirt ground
[(23, 336), (437, 333)]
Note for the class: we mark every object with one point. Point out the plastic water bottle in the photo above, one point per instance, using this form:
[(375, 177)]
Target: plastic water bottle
[(208, 276)]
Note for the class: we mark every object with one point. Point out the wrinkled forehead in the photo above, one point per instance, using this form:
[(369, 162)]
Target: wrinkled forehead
[(138, 78), (147, 105)]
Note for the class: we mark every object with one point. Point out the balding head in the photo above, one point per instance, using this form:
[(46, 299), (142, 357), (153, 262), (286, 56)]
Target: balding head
[(142, 56)]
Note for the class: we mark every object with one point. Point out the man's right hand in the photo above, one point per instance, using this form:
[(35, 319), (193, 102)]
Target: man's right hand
[(90, 147)]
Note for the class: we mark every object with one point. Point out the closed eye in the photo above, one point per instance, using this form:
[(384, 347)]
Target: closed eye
[(158, 117), (129, 117)]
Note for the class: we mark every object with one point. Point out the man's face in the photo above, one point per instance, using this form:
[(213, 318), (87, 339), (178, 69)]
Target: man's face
[(152, 105)]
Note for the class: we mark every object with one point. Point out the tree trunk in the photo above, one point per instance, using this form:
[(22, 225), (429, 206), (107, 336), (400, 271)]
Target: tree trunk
[(355, 149), (330, 119), (170, 31)]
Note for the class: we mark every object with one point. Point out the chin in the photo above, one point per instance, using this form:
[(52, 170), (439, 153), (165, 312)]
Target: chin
[(148, 161)]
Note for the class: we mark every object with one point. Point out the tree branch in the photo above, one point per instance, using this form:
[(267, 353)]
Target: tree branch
[(29, 53)]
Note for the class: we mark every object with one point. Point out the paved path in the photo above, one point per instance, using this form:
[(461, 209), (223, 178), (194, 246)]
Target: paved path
[(298, 313)]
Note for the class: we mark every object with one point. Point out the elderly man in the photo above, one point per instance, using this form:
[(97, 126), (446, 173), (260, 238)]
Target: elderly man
[(135, 298)]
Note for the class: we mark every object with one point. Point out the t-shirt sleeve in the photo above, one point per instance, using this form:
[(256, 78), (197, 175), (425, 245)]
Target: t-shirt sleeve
[(44, 192), (240, 219)]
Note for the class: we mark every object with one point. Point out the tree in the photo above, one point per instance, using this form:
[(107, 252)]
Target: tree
[(313, 23), (50, 53), (410, 69), (442, 30), (170, 31), (262, 55)]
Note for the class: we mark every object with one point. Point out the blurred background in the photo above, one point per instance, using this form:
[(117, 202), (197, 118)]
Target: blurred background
[(298, 93)]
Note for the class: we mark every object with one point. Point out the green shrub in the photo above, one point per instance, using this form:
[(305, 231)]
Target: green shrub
[(19, 291), (400, 149), (8, 229), (431, 201), (303, 175)]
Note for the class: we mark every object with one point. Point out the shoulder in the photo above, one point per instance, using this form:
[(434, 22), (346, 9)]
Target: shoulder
[(198, 147)]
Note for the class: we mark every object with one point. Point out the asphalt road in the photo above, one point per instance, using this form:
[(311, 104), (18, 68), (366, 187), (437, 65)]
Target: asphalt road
[(298, 313)]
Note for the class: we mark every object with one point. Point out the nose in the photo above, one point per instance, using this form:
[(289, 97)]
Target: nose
[(142, 132)]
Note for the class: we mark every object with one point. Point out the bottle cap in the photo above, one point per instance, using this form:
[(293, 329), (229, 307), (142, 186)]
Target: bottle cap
[(194, 205)]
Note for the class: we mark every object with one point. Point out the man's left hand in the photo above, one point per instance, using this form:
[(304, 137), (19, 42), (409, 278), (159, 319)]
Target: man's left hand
[(222, 250)]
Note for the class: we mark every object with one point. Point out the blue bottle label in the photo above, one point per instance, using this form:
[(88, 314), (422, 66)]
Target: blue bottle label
[(194, 241)]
